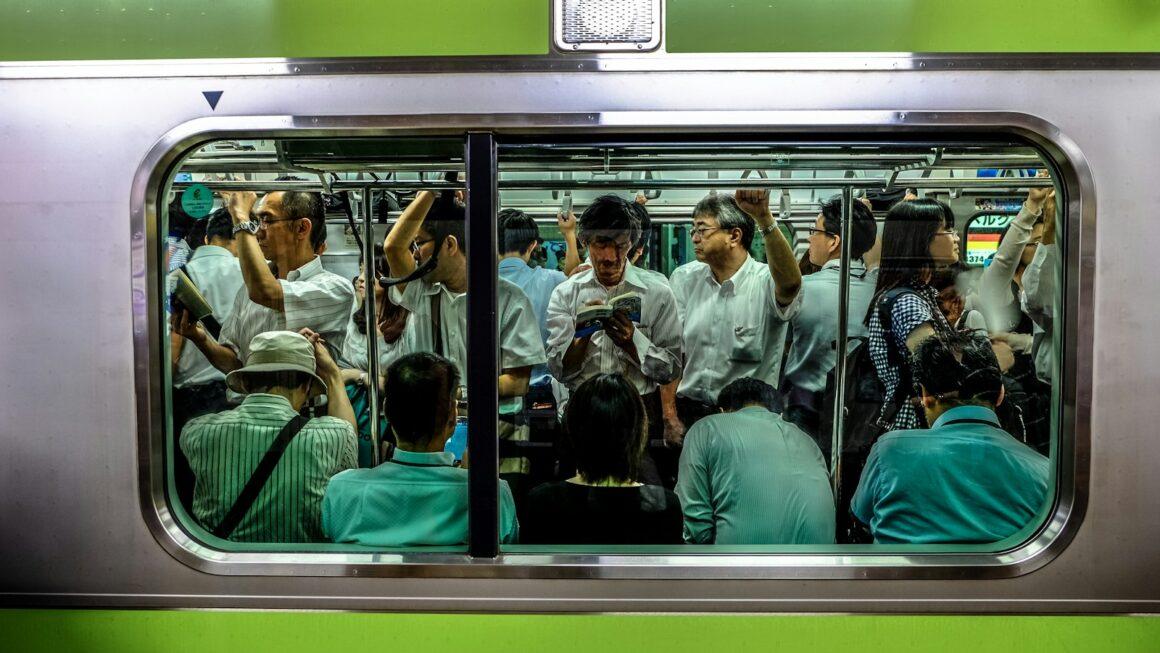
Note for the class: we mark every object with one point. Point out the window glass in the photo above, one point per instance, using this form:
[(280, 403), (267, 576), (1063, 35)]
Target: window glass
[(282, 257), (690, 392)]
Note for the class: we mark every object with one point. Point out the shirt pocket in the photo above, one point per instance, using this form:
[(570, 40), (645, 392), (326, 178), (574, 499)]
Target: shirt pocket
[(747, 344)]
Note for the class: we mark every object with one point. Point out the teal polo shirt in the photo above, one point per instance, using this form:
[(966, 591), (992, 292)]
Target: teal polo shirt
[(965, 480), (414, 499)]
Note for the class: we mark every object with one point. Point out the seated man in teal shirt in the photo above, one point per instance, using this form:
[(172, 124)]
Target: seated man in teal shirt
[(419, 496), (965, 479)]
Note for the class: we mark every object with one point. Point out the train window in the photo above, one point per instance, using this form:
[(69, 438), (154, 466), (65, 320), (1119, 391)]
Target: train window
[(701, 347), (689, 296), (283, 256)]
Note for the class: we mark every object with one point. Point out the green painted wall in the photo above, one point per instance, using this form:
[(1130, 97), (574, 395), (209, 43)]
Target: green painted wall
[(914, 26), (172, 29), (314, 632)]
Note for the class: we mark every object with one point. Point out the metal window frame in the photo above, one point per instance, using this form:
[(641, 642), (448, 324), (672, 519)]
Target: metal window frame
[(836, 562)]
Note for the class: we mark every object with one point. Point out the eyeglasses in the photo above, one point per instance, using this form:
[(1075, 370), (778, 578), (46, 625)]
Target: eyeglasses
[(949, 232), (416, 245), (700, 232), (264, 223), (814, 230)]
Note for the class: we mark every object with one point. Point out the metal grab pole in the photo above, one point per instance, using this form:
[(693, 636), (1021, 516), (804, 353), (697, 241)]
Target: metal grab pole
[(372, 281), (838, 434)]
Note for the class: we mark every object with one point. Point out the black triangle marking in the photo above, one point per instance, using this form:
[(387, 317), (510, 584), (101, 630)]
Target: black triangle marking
[(213, 97)]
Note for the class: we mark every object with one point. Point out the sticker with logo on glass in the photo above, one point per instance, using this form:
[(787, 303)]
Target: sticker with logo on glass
[(197, 201)]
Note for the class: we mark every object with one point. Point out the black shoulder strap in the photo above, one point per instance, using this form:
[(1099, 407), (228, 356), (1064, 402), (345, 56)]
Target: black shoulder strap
[(902, 389), (259, 478), (436, 322)]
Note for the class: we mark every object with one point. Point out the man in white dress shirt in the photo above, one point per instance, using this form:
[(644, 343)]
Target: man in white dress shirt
[(647, 353), (288, 228), (733, 308), (431, 233)]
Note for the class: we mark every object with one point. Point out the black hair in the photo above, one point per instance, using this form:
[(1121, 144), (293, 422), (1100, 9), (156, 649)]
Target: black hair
[(609, 213), (219, 224), (862, 227), (606, 427), (747, 390), (267, 381), (420, 396), (645, 226), (958, 368), (298, 205), (515, 231), (728, 214), (447, 218), (906, 238), (360, 316)]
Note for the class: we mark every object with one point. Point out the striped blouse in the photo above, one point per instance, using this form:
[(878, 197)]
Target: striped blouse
[(225, 448)]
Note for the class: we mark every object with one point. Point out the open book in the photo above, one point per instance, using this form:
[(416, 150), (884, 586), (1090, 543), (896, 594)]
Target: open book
[(590, 319), (187, 295)]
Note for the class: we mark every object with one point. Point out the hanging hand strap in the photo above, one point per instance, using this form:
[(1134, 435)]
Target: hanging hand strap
[(259, 478)]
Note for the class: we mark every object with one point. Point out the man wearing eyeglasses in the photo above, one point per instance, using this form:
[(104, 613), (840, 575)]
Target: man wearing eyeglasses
[(815, 327), (288, 229), (734, 309), (648, 352)]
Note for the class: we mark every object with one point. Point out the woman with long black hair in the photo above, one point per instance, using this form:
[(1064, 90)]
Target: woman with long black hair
[(918, 238)]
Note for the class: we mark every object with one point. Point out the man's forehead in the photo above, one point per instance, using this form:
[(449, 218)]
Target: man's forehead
[(610, 235), (269, 203), (707, 219)]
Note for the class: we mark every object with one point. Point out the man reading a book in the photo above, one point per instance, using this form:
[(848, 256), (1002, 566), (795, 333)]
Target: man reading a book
[(288, 229), (611, 318)]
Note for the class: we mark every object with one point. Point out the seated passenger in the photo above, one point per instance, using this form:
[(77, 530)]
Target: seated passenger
[(283, 372), (419, 496), (749, 477), (605, 503), (964, 480), (815, 327), (289, 229)]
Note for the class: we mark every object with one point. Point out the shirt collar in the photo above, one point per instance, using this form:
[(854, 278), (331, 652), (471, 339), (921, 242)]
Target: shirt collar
[(306, 271), (731, 282), (206, 251), (421, 458), (967, 412), (267, 400), (836, 263), (514, 263)]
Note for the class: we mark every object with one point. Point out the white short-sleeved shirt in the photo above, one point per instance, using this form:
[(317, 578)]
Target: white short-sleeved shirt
[(312, 297), (216, 273), (519, 334), (354, 350), (732, 330), (657, 337), (815, 326)]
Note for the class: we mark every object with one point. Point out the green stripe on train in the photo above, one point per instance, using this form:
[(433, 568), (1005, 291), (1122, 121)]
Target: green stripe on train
[(42, 30), (125, 631)]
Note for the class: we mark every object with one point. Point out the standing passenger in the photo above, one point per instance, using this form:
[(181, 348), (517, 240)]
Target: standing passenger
[(734, 309), (815, 327), (648, 352), (283, 371), (288, 228), (750, 477), (431, 232)]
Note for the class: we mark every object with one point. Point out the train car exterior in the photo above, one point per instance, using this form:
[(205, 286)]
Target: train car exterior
[(97, 104)]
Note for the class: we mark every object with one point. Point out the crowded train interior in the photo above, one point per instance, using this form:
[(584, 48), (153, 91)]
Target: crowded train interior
[(669, 314)]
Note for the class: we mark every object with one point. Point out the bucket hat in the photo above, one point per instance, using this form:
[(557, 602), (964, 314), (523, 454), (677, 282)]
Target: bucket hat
[(278, 351)]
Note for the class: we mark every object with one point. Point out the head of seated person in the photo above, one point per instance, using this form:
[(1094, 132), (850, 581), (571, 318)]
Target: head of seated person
[(958, 369), (609, 228), (606, 426), (293, 228), (518, 234), (420, 402), (280, 363), (748, 392)]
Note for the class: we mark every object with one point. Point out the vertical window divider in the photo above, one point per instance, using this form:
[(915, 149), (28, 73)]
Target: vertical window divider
[(369, 307), (482, 346), (840, 371)]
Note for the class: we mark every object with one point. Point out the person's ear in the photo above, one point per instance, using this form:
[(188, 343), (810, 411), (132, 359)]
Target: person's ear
[(1002, 395), (305, 226), (836, 245), (928, 400), (451, 245)]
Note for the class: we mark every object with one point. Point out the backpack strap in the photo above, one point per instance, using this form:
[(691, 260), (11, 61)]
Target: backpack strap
[(903, 388), (259, 478)]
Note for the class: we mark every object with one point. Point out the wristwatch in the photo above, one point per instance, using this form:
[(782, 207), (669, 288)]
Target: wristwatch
[(250, 226), (765, 231)]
